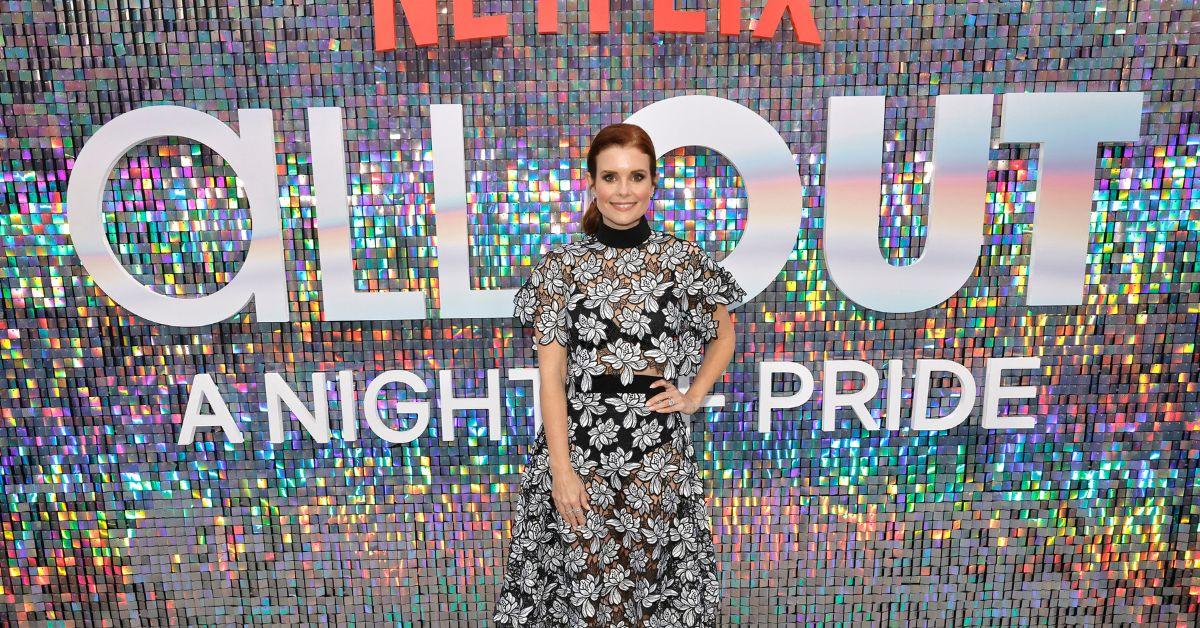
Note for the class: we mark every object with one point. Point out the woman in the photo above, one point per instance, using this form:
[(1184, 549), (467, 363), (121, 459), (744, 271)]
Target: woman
[(611, 524)]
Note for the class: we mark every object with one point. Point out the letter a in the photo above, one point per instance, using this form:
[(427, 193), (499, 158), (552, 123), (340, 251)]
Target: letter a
[(205, 389), (802, 21)]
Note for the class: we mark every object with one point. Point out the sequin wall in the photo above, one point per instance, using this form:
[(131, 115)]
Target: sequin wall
[(1092, 516)]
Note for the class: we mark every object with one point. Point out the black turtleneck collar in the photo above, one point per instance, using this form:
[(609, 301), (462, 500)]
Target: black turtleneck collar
[(624, 238)]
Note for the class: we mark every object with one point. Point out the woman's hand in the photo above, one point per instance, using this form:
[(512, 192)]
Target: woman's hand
[(570, 497), (671, 400)]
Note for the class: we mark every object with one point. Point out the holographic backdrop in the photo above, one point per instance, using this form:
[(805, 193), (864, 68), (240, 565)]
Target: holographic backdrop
[(1091, 517)]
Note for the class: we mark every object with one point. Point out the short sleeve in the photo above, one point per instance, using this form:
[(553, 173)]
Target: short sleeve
[(710, 285), (541, 301)]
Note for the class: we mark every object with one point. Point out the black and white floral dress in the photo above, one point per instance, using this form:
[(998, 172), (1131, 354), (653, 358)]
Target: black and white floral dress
[(620, 301)]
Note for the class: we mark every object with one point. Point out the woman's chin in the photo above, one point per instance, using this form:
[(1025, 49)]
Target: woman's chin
[(626, 216)]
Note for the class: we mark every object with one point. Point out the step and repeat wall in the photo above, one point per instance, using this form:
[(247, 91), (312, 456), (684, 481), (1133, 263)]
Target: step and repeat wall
[(259, 360)]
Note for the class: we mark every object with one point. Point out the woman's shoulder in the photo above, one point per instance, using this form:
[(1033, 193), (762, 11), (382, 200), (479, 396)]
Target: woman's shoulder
[(670, 242), (565, 252)]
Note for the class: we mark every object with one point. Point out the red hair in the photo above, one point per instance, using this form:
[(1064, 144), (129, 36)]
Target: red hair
[(627, 136)]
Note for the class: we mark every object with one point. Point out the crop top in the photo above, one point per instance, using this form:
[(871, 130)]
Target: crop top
[(623, 300)]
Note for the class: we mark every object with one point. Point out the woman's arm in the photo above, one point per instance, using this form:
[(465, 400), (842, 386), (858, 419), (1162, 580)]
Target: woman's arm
[(570, 496), (717, 354), (552, 373)]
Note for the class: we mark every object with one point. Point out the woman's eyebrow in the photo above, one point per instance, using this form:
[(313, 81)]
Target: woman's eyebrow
[(642, 170)]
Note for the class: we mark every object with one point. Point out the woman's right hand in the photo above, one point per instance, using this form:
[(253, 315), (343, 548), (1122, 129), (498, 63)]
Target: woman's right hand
[(570, 497)]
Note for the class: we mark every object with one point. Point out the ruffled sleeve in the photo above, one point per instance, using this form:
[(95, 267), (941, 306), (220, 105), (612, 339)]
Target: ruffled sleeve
[(710, 285), (541, 301)]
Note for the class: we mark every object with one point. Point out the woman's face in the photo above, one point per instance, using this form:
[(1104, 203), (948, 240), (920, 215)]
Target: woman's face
[(622, 186)]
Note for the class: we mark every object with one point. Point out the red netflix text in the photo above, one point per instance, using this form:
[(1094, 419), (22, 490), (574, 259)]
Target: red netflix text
[(421, 18)]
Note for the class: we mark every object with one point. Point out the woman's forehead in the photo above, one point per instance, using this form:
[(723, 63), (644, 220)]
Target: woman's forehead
[(622, 159)]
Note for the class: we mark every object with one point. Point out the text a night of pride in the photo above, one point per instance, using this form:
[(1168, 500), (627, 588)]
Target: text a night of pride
[(849, 385)]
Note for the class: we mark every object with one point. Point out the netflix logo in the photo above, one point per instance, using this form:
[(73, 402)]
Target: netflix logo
[(421, 18)]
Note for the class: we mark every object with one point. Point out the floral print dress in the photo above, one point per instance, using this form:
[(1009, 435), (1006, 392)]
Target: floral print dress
[(620, 301)]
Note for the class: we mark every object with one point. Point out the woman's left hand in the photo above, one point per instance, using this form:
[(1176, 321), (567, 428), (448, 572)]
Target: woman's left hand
[(671, 399)]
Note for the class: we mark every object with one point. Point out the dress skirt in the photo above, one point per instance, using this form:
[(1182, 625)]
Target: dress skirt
[(645, 556)]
